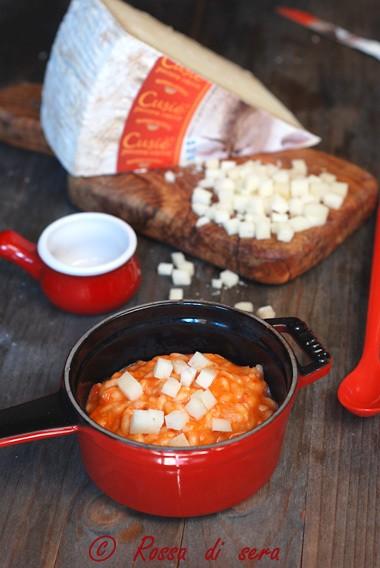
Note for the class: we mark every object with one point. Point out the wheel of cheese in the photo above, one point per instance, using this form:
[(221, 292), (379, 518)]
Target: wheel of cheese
[(123, 91)]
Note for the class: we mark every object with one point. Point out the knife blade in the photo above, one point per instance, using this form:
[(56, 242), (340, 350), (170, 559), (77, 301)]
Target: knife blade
[(336, 33)]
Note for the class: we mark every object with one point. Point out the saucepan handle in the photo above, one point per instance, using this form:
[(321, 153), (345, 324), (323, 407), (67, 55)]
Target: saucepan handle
[(46, 417), (320, 359)]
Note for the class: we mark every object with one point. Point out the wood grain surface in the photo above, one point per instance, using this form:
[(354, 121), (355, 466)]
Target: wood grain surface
[(162, 210), (322, 505)]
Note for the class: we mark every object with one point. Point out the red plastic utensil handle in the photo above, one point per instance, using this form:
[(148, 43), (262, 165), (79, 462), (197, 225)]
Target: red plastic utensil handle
[(372, 334), (321, 360), (20, 251)]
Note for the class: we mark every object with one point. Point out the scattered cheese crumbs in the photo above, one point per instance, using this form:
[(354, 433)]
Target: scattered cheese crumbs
[(181, 277), (178, 259), (229, 278), (146, 421), (199, 361), (188, 266), (169, 176), (206, 378), (165, 268), (129, 386), (196, 408), (163, 368), (179, 440), (176, 419), (244, 306), (258, 200), (266, 312), (187, 375), (221, 425), (171, 387), (176, 294)]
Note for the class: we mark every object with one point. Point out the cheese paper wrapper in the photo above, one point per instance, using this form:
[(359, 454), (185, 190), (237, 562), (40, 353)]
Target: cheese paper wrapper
[(112, 103)]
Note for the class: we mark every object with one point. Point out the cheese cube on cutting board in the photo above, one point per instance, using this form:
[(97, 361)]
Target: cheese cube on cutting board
[(97, 98)]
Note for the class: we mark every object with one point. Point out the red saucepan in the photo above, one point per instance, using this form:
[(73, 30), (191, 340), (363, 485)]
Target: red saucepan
[(164, 480)]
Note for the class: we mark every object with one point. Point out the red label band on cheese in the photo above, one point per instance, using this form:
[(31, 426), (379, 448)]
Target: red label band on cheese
[(155, 130)]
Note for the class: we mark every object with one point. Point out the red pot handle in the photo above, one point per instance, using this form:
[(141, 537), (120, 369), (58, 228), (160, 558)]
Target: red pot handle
[(20, 251), (46, 417), (320, 360)]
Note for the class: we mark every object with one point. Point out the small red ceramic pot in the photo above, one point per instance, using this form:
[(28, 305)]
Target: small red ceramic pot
[(85, 262), (162, 480)]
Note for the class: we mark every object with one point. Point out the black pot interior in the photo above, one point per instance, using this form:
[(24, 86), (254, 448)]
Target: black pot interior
[(182, 327)]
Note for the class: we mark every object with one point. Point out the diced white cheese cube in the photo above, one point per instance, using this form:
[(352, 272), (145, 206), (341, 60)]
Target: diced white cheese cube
[(221, 216), (181, 277), (165, 268), (300, 167), (318, 188), (340, 187), (229, 278), (176, 419), (169, 176), (282, 176), (280, 204), (179, 440), (327, 177), (227, 164), (178, 259), (299, 187), (201, 195), (216, 283), (285, 233), (263, 229), (221, 425), (176, 294), (231, 226), (333, 200), (226, 184), (279, 217), (199, 209), (246, 230), (316, 213), (196, 408), (163, 368), (202, 221), (207, 398), (265, 312), (251, 183), (206, 377), (199, 361), (187, 375), (296, 206), (206, 183), (244, 306), (212, 173), (146, 421), (299, 223), (240, 203), (266, 188), (188, 266), (282, 188), (255, 205), (212, 163), (129, 386), (234, 173), (178, 365), (171, 387)]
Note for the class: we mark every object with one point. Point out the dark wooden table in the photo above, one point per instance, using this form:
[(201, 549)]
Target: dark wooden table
[(322, 505)]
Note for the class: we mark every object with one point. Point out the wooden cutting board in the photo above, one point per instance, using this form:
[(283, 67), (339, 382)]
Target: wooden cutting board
[(162, 210)]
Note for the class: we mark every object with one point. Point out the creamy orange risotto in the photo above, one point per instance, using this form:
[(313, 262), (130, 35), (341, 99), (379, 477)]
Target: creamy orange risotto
[(182, 400)]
